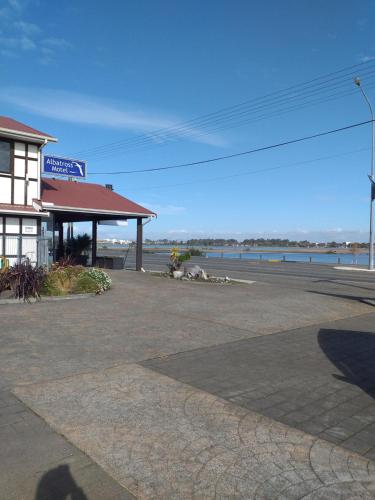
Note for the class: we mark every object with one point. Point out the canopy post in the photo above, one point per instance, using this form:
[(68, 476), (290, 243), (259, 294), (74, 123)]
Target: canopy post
[(60, 248), (94, 242), (138, 259)]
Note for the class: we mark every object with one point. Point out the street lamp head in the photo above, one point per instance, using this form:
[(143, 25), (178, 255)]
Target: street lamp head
[(357, 81)]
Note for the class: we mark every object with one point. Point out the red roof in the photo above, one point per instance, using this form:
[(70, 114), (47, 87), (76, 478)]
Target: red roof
[(87, 197), (15, 126)]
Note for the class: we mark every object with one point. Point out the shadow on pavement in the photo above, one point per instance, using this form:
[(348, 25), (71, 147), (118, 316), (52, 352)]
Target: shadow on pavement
[(370, 301), (59, 484), (344, 283), (353, 353)]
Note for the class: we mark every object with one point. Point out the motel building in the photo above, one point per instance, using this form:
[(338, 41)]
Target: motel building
[(34, 209)]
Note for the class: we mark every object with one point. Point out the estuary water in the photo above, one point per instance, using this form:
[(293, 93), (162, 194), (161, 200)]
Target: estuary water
[(263, 253), (282, 254), (317, 258)]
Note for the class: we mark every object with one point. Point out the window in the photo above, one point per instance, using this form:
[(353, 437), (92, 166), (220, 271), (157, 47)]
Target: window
[(5, 157)]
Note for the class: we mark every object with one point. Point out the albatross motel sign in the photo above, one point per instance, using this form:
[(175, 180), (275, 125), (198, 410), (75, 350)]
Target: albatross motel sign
[(66, 167)]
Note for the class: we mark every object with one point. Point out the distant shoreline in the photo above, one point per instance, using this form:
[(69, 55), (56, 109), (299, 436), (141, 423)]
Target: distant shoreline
[(167, 249), (329, 251)]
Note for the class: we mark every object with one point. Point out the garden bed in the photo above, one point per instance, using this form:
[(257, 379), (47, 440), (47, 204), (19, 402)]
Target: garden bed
[(28, 283), (180, 270), (216, 280)]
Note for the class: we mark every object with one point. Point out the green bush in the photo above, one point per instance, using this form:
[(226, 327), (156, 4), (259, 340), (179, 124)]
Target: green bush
[(61, 280), (195, 252), (86, 284), (100, 277), (75, 279)]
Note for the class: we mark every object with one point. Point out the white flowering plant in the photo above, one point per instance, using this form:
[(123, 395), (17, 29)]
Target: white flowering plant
[(100, 277)]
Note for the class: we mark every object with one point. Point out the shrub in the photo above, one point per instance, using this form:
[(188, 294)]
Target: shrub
[(195, 252), (176, 259), (86, 284), (64, 262), (79, 245), (24, 280), (100, 278), (61, 280)]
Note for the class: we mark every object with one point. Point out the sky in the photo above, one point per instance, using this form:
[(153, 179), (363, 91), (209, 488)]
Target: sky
[(103, 77)]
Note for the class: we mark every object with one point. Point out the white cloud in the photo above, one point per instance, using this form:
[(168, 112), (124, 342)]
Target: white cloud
[(164, 209), (56, 43), (88, 110), (13, 43), (16, 4), (367, 58), (177, 231), (27, 28), (19, 36)]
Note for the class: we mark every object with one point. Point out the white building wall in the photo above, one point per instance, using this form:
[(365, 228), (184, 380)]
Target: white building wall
[(19, 192), (20, 187), (32, 191), (5, 189)]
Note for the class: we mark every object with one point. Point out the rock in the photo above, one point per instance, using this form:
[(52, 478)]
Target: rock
[(203, 275), (178, 274), (193, 272)]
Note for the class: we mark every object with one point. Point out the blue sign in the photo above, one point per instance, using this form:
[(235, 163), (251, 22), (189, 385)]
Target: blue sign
[(64, 166)]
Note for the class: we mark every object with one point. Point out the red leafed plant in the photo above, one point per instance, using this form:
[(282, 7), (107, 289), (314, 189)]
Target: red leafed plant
[(24, 280)]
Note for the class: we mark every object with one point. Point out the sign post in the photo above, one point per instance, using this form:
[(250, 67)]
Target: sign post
[(66, 167)]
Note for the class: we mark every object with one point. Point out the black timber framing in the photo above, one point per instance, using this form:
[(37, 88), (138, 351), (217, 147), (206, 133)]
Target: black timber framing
[(139, 252), (61, 217), (94, 242)]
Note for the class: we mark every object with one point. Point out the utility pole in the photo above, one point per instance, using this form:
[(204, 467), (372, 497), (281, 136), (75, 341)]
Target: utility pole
[(357, 81)]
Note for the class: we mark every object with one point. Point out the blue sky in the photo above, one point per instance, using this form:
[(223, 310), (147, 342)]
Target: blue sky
[(95, 73)]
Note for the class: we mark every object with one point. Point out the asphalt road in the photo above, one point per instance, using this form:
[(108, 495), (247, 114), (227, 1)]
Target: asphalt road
[(294, 273)]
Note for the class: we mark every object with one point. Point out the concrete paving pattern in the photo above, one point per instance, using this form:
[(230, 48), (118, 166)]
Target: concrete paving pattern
[(163, 439), (168, 389), (320, 379), (39, 464)]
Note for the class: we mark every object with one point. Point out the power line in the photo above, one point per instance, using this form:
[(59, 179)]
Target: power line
[(276, 113), (198, 120), (230, 112), (251, 172), (234, 155)]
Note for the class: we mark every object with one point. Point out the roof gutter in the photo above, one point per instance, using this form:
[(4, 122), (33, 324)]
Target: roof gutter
[(149, 219), (52, 207), (24, 212), (26, 135)]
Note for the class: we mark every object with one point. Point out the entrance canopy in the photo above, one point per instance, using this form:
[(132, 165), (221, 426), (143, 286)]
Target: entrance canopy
[(70, 201), (80, 201)]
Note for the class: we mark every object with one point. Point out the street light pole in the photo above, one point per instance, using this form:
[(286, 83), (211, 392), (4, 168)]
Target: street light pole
[(357, 81)]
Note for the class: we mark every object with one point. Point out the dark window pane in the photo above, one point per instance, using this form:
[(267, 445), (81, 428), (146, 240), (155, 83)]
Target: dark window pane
[(4, 156)]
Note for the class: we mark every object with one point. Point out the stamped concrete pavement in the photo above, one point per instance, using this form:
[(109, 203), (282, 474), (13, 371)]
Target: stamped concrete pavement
[(144, 316), (166, 440), (320, 379), (74, 364)]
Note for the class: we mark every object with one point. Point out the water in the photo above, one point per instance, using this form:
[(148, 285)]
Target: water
[(263, 253), (317, 258)]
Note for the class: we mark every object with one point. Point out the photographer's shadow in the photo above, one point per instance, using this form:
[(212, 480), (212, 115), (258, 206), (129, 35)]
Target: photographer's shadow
[(353, 353), (59, 484)]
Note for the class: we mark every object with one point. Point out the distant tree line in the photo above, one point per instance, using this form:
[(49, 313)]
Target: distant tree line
[(252, 242)]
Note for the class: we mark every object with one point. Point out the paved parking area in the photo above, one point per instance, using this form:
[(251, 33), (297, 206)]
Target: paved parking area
[(319, 379), (76, 364), (39, 464), (144, 316), (166, 440)]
